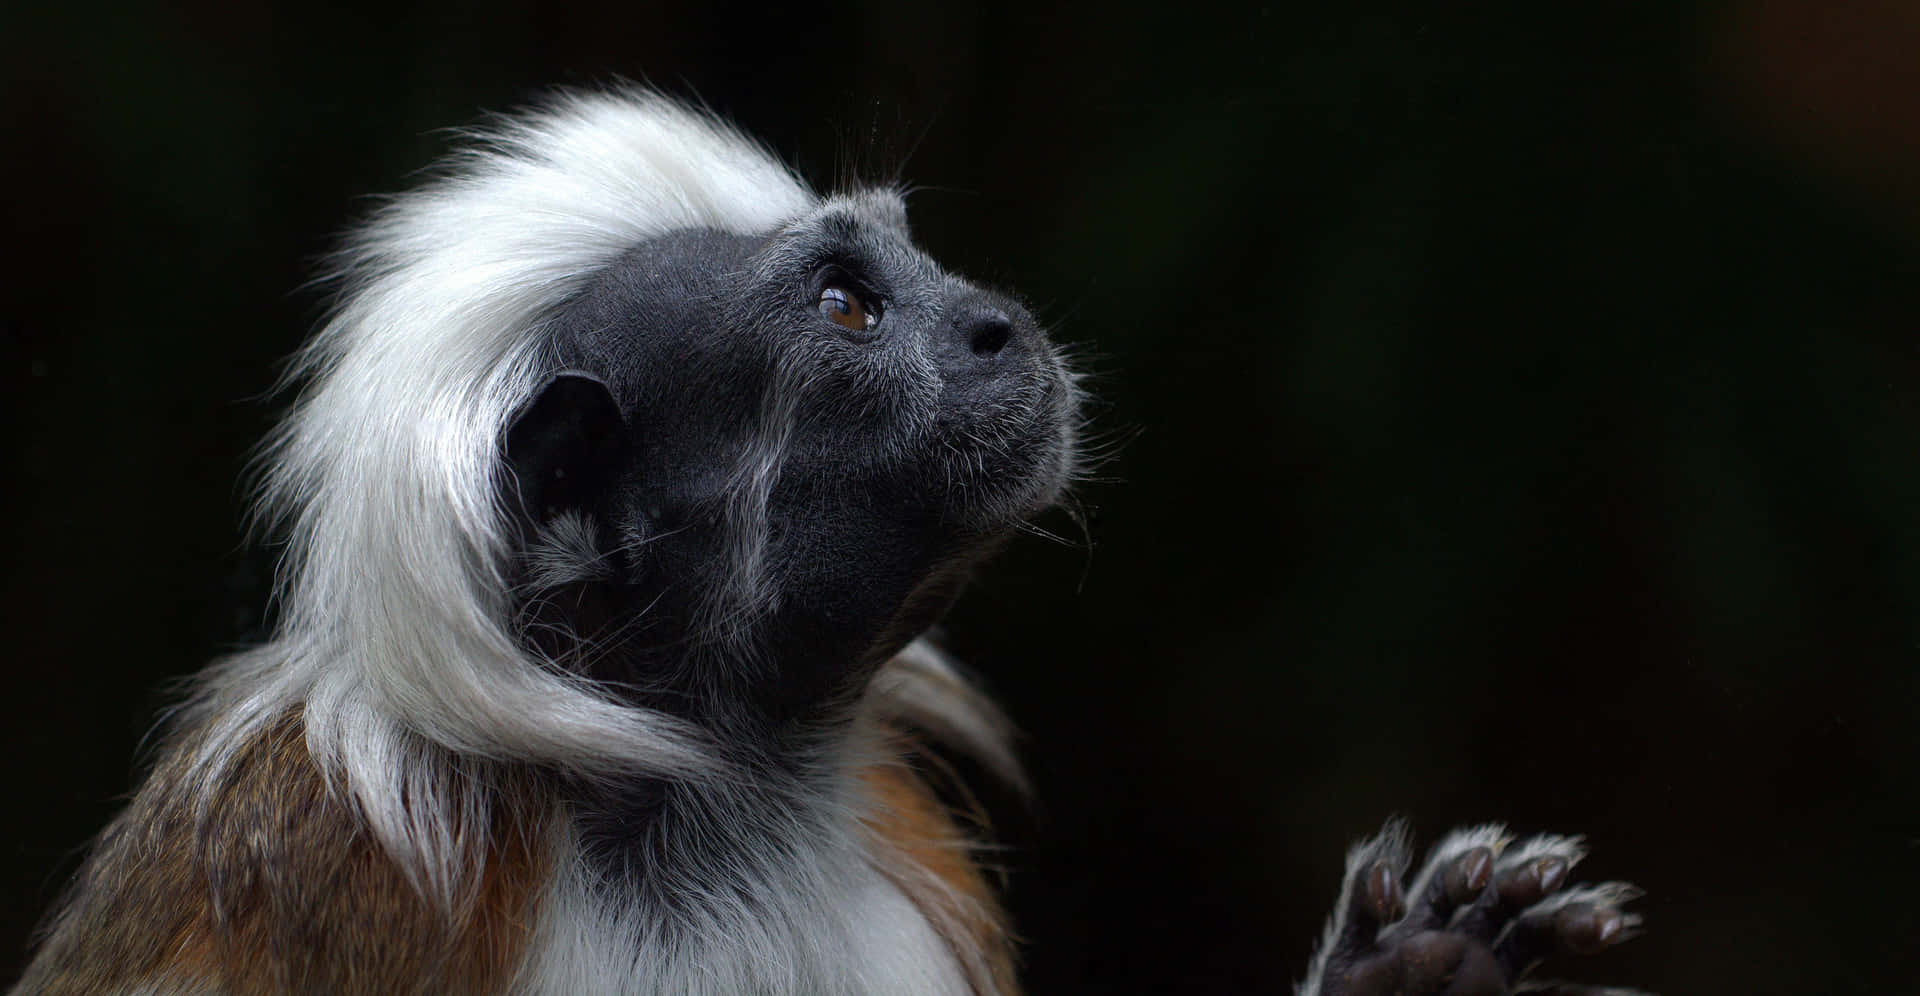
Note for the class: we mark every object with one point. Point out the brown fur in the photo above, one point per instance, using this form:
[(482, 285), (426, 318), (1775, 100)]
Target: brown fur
[(910, 817), (283, 892)]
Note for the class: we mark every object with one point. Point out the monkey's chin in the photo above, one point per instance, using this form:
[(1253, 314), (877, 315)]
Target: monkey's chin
[(1057, 421), (1048, 484), (975, 514), (1053, 484)]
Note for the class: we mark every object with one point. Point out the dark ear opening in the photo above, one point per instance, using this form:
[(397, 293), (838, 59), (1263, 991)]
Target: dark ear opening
[(566, 446)]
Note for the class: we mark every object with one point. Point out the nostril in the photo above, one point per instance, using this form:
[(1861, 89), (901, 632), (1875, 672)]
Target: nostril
[(989, 334)]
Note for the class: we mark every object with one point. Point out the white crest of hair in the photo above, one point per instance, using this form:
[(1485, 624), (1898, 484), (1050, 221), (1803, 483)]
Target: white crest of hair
[(394, 642)]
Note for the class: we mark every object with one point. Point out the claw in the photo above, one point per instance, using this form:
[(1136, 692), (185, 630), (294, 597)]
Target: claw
[(1467, 877), (1580, 921), (1527, 884), (1585, 930), (1386, 901), (1553, 873), (1455, 875)]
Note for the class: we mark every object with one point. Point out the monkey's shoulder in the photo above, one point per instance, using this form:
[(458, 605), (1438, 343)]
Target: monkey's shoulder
[(267, 882)]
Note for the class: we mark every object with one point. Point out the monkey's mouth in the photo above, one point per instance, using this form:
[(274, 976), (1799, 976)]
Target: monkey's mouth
[(1002, 470)]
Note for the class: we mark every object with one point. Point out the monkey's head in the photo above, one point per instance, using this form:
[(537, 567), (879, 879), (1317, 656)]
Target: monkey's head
[(619, 430), (767, 459)]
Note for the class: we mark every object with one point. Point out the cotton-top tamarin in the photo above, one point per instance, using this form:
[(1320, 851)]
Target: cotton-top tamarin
[(619, 490)]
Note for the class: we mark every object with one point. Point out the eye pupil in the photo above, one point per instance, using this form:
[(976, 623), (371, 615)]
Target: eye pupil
[(844, 308)]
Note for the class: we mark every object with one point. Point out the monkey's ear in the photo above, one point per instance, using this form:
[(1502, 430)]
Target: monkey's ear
[(892, 207), (565, 446), (886, 205)]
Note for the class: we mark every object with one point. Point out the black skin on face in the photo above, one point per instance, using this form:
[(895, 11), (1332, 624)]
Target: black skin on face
[(782, 495)]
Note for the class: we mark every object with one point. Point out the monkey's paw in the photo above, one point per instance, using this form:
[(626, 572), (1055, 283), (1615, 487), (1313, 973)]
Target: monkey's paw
[(1479, 916)]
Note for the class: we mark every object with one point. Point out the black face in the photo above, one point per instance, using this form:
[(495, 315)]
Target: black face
[(775, 457)]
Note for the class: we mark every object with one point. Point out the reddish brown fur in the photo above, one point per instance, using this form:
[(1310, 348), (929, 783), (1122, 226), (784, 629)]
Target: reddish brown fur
[(912, 819), (285, 892)]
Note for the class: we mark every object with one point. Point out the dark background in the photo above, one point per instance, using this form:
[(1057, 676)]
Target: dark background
[(1520, 406)]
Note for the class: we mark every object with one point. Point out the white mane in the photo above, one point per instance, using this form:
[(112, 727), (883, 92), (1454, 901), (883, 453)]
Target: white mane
[(394, 642)]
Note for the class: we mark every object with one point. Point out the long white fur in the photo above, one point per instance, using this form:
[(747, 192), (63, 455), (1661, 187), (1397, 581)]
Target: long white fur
[(395, 643), (806, 904)]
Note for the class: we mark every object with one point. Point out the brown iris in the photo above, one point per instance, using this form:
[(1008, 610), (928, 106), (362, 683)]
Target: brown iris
[(844, 308)]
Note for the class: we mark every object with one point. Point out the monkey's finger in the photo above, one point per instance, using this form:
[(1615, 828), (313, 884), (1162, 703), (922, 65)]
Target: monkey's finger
[(1581, 921), (1513, 889), (1457, 870), (1575, 929), (1351, 961), (1447, 884), (1375, 899), (1522, 877), (1372, 895)]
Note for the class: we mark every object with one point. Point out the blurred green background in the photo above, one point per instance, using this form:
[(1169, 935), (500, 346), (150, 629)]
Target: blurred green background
[(1519, 407)]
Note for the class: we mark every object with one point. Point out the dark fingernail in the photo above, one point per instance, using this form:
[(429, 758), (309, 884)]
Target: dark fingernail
[(1584, 930), (1553, 871), (1468, 876), (1520, 887), (1385, 900)]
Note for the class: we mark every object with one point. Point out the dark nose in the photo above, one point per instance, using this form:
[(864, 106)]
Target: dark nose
[(979, 340), (985, 331)]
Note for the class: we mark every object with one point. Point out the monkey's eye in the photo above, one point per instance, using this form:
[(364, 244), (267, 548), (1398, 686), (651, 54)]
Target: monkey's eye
[(844, 308)]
